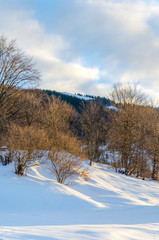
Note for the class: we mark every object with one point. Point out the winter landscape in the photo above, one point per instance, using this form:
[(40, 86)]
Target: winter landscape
[(107, 206), (79, 120)]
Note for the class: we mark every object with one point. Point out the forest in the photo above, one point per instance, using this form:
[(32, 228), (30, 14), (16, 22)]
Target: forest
[(35, 123)]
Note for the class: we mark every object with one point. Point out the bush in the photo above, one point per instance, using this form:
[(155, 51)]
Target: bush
[(64, 165), (25, 144), (5, 156)]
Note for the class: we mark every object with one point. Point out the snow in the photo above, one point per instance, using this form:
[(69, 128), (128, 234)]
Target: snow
[(112, 108), (77, 96), (108, 206)]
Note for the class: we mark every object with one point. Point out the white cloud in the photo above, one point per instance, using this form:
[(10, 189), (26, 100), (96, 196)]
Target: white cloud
[(68, 76), (132, 27), (117, 40), (47, 50)]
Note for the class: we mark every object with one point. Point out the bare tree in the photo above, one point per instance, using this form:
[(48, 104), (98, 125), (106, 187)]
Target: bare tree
[(121, 136), (16, 71), (94, 126), (153, 141), (26, 144), (58, 116), (66, 141), (140, 164), (64, 165), (127, 94), (31, 106), (126, 124)]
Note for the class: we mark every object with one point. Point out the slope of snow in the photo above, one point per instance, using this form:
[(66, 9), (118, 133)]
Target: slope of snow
[(112, 108), (108, 206), (77, 96)]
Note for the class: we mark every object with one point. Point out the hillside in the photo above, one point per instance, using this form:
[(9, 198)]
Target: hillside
[(76, 100), (108, 206)]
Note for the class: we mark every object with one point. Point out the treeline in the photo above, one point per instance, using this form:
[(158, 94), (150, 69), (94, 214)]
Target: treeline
[(37, 125), (134, 133), (130, 133), (32, 124), (76, 102)]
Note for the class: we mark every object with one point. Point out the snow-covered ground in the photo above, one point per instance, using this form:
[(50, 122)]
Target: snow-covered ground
[(78, 96), (112, 108), (108, 206)]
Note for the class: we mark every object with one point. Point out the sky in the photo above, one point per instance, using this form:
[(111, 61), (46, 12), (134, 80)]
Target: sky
[(85, 46)]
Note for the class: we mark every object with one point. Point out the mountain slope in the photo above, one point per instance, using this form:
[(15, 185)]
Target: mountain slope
[(76, 100), (108, 206)]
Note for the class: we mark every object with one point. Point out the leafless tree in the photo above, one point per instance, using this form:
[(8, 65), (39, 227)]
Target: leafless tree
[(127, 125), (25, 145), (16, 71), (58, 115), (153, 141), (32, 107), (94, 127), (127, 94), (64, 165)]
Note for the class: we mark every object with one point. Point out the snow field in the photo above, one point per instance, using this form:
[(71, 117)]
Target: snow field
[(108, 206)]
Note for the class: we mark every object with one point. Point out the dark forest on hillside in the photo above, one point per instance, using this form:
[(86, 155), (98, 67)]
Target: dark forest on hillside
[(76, 102)]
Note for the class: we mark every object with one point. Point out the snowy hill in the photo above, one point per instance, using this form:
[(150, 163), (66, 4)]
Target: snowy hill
[(78, 96), (108, 206), (76, 100)]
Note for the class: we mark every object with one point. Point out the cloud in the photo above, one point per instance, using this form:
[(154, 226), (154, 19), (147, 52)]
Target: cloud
[(69, 76), (47, 51), (121, 37), (90, 44)]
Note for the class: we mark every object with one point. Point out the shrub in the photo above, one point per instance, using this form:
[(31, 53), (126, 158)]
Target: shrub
[(64, 165), (25, 144)]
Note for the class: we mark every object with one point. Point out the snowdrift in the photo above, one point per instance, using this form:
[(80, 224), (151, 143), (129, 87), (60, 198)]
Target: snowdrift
[(108, 206)]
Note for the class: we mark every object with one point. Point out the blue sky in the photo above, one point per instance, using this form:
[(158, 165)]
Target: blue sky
[(87, 45)]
